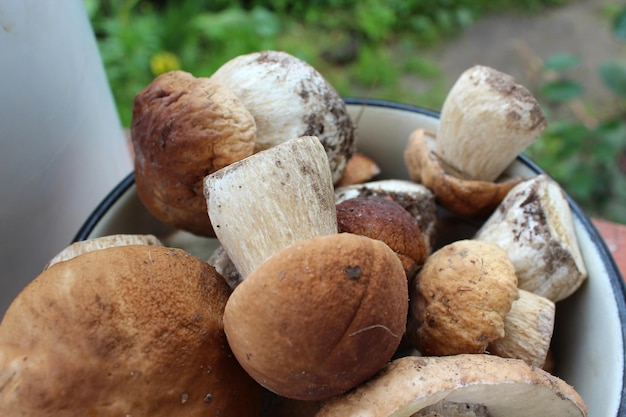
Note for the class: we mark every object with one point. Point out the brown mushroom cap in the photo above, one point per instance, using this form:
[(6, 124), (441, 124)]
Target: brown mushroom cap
[(501, 387), (383, 219), (462, 196), (129, 330), (184, 128), (460, 298), (319, 317)]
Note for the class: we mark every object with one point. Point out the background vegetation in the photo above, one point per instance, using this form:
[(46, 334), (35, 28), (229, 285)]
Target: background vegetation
[(366, 48)]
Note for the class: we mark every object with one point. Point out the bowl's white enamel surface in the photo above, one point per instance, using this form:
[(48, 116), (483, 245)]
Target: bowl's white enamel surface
[(589, 335)]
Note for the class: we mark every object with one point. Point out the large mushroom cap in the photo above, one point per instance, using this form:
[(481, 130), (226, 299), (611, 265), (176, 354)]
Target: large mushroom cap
[(288, 99), (184, 128), (499, 387), (319, 317), (129, 330)]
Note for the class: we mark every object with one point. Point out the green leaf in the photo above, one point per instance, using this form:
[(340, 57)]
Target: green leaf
[(561, 62), (619, 25), (613, 75), (561, 91)]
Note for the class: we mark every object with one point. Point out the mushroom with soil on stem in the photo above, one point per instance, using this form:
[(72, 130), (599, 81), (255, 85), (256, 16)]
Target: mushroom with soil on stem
[(472, 385), (288, 99), (486, 121), (132, 329), (534, 226), (318, 312)]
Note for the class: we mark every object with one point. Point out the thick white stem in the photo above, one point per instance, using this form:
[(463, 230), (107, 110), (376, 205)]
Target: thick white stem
[(271, 200), (528, 329), (487, 120)]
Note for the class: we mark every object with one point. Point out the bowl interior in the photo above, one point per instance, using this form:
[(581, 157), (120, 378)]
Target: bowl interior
[(588, 342)]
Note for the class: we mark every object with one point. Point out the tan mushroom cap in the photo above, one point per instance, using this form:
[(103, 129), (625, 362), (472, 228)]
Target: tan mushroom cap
[(319, 317), (460, 298), (464, 197), (384, 219), (128, 330), (505, 387), (184, 128)]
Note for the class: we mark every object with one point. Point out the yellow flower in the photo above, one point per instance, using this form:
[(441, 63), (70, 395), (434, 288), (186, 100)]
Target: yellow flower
[(163, 62)]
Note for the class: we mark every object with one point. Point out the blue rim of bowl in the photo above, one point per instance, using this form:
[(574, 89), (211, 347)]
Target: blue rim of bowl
[(617, 281)]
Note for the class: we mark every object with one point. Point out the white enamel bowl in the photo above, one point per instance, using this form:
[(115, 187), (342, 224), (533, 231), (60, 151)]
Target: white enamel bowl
[(589, 333)]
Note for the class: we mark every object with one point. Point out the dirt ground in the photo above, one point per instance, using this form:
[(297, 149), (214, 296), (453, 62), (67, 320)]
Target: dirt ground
[(517, 45)]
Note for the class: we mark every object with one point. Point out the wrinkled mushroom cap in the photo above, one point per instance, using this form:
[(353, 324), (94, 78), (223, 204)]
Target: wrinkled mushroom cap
[(464, 197), (502, 387), (128, 330), (184, 128), (460, 298), (319, 317)]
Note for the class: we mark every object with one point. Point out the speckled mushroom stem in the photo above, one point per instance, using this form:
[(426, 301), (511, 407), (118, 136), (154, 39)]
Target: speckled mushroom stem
[(535, 227), (487, 120), (271, 200)]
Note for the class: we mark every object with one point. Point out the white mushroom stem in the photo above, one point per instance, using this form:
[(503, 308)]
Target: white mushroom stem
[(271, 200), (502, 387), (528, 329), (534, 226), (487, 120), (78, 248)]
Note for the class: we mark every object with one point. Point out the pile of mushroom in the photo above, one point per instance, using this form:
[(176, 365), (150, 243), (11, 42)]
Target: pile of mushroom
[(329, 290)]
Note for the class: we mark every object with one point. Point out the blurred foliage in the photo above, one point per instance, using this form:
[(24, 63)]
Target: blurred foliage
[(583, 148), (364, 47), (371, 48)]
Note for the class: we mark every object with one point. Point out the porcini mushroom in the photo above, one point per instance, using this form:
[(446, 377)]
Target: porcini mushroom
[(460, 298), (385, 220), (126, 330), (534, 226), (486, 121), (183, 128), (488, 385), (415, 198), (78, 248), (318, 312), (288, 99)]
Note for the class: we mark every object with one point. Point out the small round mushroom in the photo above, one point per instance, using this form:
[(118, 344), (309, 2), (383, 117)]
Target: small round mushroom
[(318, 312), (440, 386), (359, 169), (288, 99), (127, 330), (460, 298), (415, 198), (184, 128), (385, 220), (534, 226)]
